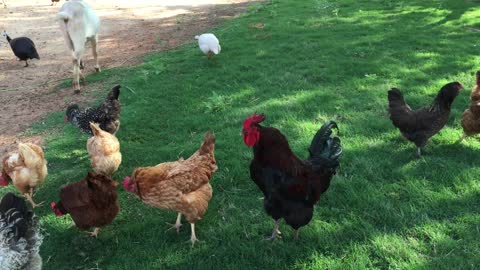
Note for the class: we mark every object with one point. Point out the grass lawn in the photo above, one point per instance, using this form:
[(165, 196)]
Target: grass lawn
[(301, 63)]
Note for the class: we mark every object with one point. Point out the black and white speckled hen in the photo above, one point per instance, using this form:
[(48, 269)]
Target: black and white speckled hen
[(107, 115), (419, 125), (23, 48), (20, 239)]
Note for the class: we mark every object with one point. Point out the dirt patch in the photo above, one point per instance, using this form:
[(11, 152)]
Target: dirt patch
[(129, 30)]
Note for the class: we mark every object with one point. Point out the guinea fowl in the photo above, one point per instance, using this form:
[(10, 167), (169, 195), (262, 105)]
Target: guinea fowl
[(23, 48), (107, 115)]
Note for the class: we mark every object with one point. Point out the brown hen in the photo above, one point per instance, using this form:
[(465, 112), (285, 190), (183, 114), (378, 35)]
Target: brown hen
[(471, 116), (182, 185)]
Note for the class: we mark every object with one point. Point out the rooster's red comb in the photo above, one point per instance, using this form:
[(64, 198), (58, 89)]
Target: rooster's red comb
[(254, 119)]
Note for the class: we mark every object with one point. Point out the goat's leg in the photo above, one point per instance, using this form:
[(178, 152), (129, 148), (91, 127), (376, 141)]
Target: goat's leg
[(94, 51), (76, 76)]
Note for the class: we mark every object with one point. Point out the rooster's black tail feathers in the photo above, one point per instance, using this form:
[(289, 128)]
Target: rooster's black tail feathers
[(325, 149)]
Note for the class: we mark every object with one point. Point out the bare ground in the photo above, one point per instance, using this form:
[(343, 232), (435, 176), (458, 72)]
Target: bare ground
[(129, 30)]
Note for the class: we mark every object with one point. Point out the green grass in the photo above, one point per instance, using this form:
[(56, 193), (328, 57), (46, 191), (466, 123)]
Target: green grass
[(301, 63)]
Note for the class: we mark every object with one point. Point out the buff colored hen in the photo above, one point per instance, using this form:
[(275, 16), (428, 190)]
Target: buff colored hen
[(182, 186), (25, 168), (104, 151)]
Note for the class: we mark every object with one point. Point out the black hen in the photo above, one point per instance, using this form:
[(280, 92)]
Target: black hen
[(23, 48), (419, 125), (291, 187), (20, 239), (107, 115)]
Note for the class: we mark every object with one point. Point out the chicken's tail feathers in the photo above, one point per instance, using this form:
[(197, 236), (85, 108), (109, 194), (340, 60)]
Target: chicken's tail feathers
[(325, 149), (208, 145), (96, 130), (217, 49), (477, 78), (114, 93), (15, 214), (32, 154)]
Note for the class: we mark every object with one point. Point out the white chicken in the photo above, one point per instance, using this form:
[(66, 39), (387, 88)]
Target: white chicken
[(208, 44)]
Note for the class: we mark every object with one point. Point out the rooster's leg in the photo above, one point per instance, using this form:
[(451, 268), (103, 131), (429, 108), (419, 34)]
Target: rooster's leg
[(276, 231), (295, 236), (419, 152), (29, 196), (462, 138), (26, 63), (94, 233), (177, 224), (193, 237)]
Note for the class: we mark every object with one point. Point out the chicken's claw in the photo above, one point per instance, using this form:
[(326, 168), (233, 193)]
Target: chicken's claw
[(94, 233), (37, 204), (29, 199), (175, 226), (193, 240)]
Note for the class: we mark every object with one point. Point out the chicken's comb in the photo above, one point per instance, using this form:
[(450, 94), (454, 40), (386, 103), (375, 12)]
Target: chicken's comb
[(254, 119)]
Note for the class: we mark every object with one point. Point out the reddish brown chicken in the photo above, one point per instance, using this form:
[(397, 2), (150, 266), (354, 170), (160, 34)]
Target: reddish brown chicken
[(419, 125), (471, 116), (91, 202), (291, 186), (182, 185)]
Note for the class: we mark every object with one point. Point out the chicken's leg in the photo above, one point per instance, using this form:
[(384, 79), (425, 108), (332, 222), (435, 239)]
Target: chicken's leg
[(29, 197), (419, 152), (295, 236), (193, 237), (177, 224), (26, 63), (462, 138), (276, 231), (94, 233)]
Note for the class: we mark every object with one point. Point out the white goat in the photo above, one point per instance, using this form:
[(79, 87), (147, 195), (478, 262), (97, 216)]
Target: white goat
[(79, 24)]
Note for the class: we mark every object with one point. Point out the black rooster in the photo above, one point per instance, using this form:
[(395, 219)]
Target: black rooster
[(291, 187)]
